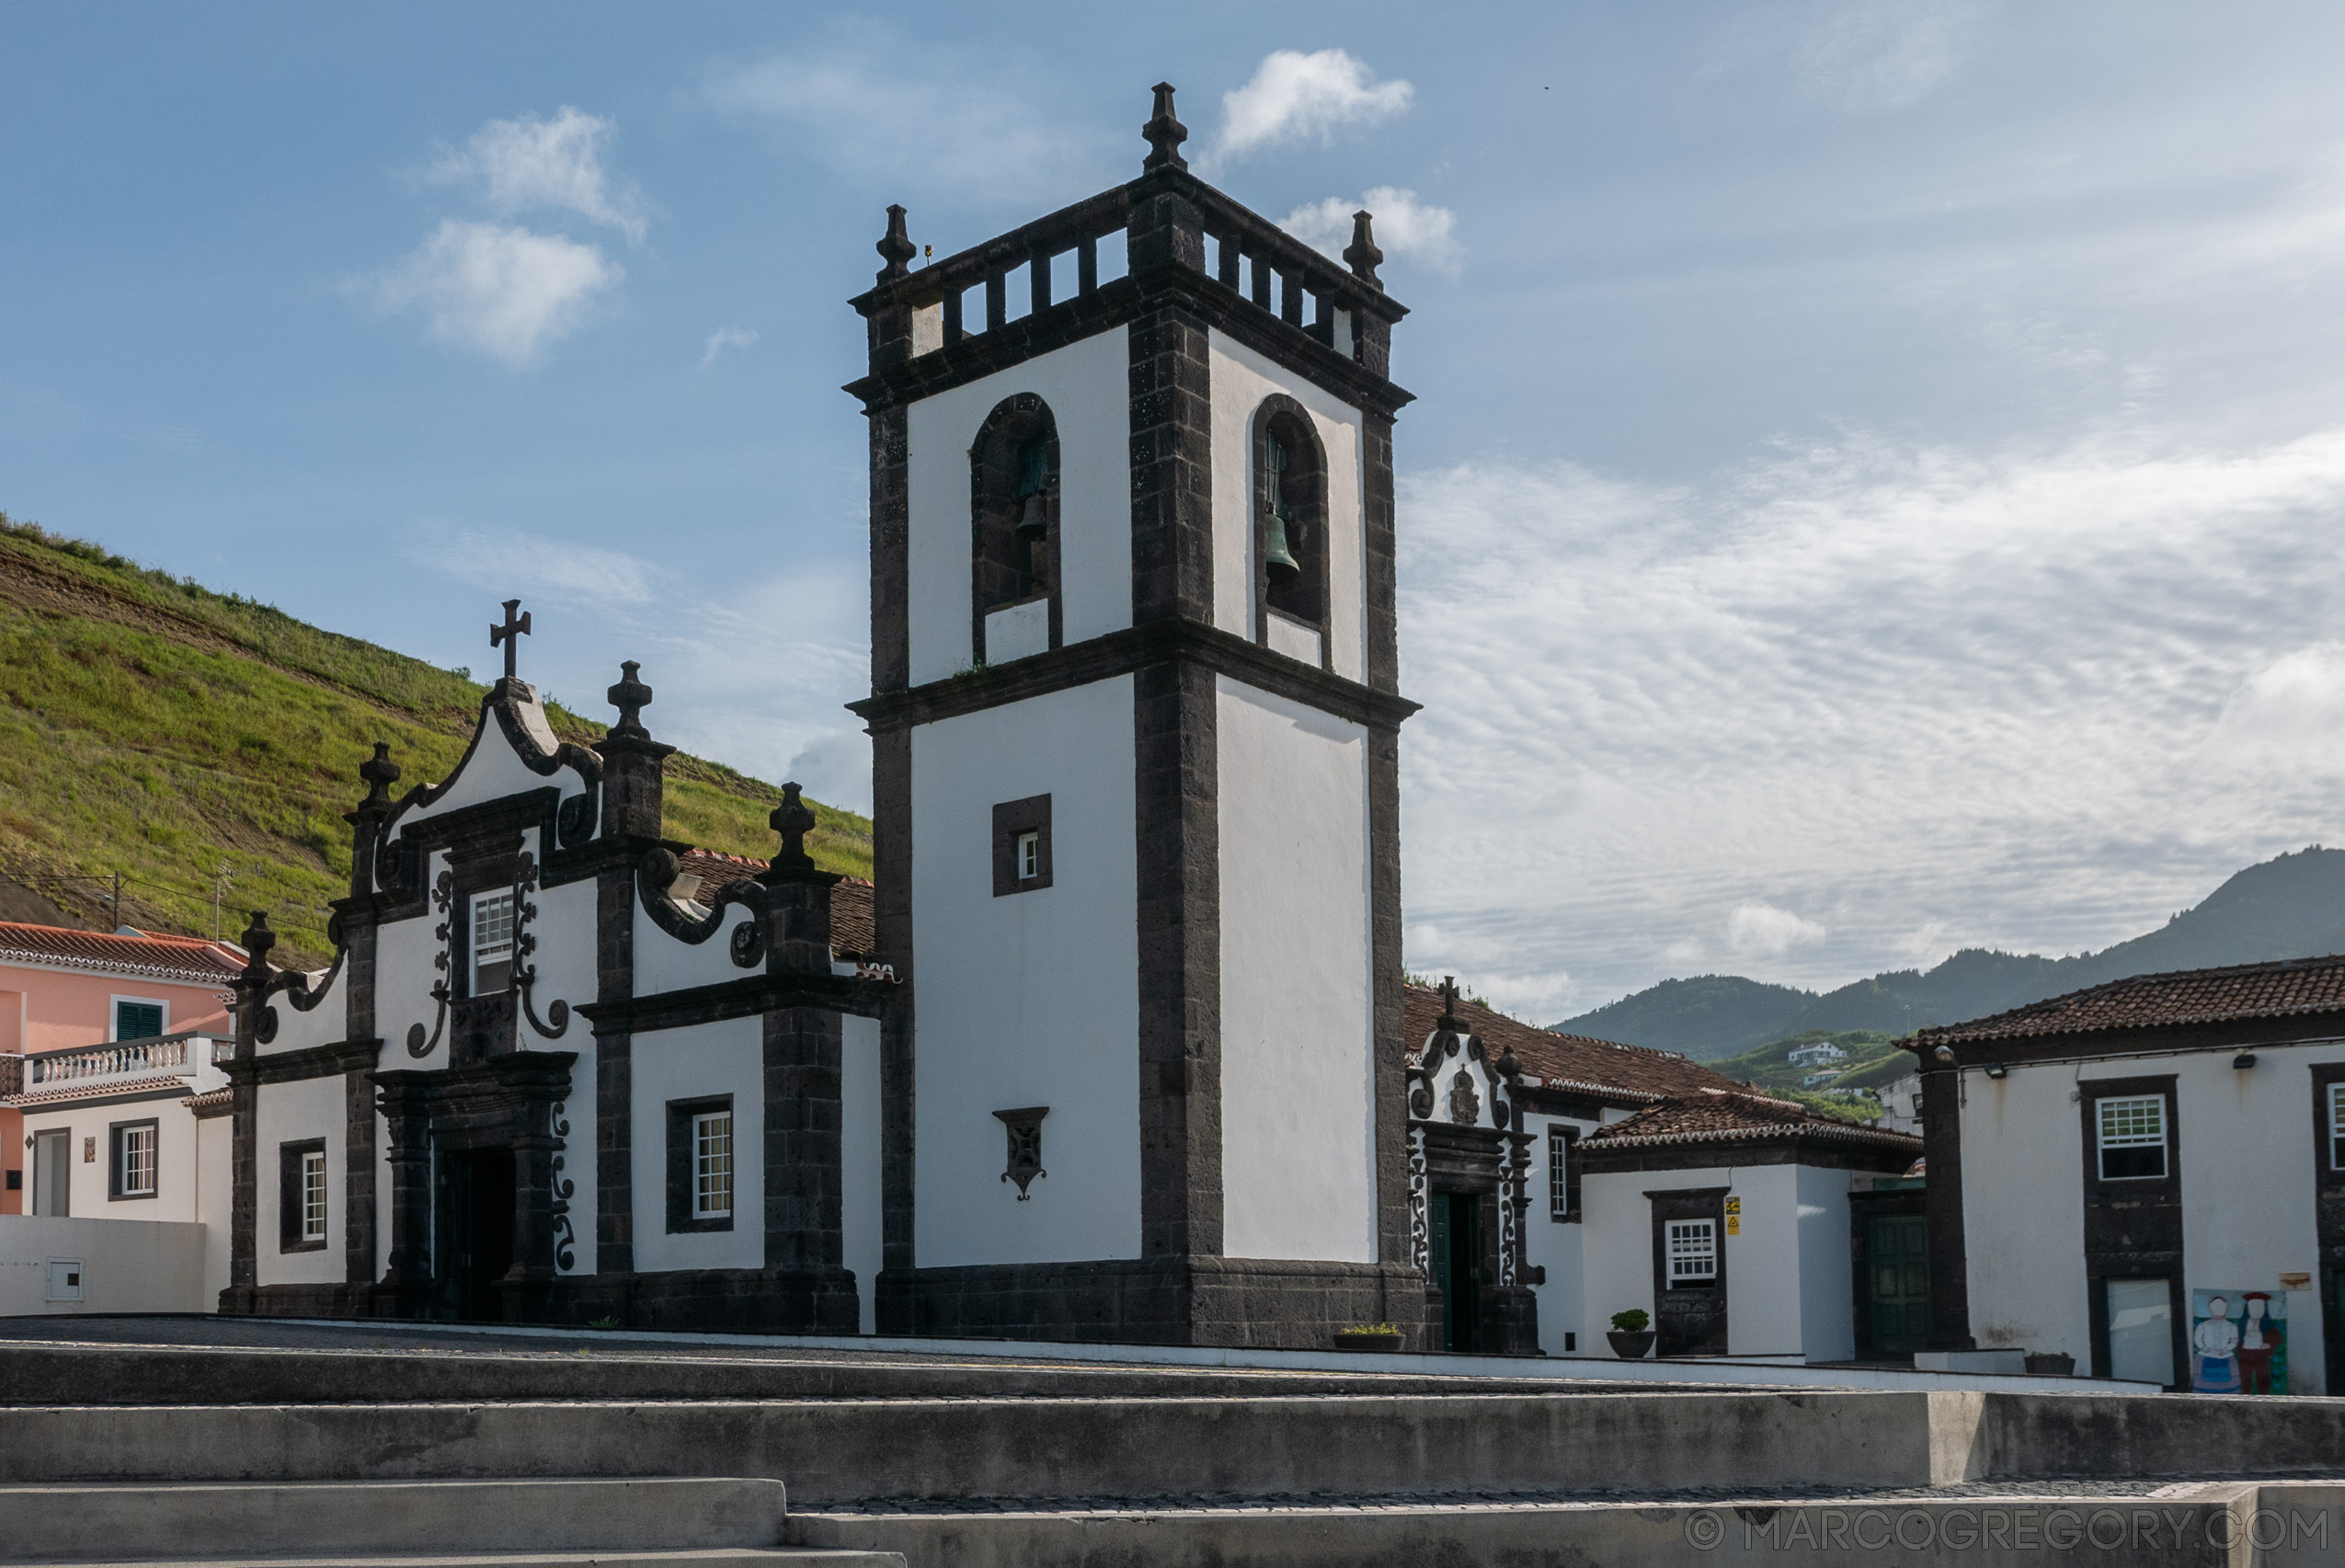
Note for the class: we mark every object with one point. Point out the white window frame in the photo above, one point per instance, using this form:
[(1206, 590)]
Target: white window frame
[(2337, 1126), (713, 1170), (1029, 852), (503, 952), (314, 1192), (151, 1133), (114, 1015), (1691, 1248), (2138, 1139), (1561, 1137)]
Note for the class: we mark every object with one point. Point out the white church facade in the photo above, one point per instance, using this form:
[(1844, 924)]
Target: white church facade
[(1115, 1049)]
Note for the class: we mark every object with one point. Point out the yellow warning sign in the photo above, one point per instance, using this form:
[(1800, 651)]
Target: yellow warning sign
[(1733, 1224), (1733, 1205)]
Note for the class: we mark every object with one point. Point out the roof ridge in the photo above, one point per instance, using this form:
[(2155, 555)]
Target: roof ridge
[(2212, 971)]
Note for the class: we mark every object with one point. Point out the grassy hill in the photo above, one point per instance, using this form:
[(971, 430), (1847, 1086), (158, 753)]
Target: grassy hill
[(156, 729), (2288, 906), (1869, 1059)]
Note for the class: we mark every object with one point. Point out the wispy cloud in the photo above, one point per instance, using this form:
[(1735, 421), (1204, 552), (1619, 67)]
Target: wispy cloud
[(495, 288), (1858, 702), (1295, 96), (534, 165), (724, 338), (511, 561), (1404, 226), (1882, 54)]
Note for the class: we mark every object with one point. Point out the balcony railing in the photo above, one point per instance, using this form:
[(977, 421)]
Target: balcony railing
[(124, 1058), (12, 1075)]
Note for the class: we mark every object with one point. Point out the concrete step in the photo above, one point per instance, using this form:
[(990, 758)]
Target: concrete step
[(728, 1557), (2281, 1525), (320, 1519)]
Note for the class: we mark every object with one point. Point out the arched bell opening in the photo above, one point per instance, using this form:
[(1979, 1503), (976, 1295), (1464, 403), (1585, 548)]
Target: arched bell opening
[(1014, 508), (1290, 532)]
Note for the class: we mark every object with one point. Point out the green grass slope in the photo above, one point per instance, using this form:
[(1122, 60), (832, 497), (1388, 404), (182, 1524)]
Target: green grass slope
[(153, 727)]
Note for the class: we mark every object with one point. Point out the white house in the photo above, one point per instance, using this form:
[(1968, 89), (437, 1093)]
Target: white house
[(2148, 1175)]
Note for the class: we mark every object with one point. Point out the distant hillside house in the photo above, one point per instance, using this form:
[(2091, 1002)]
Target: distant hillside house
[(2148, 1175), (1816, 1055)]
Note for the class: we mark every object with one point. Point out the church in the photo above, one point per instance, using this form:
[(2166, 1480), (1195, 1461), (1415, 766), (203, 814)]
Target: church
[(1113, 1046)]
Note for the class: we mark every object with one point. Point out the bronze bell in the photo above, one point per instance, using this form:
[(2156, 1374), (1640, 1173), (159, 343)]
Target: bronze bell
[(1276, 560), (1034, 522)]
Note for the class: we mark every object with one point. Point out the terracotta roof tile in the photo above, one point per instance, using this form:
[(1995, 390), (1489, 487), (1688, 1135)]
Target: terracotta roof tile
[(188, 959), (1626, 1074), (85, 1088), (851, 925), (1715, 1116), (2287, 989)]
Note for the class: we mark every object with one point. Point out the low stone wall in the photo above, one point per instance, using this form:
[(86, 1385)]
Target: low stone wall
[(125, 1266)]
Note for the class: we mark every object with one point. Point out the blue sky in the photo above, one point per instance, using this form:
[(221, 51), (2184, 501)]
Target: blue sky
[(1874, 488)]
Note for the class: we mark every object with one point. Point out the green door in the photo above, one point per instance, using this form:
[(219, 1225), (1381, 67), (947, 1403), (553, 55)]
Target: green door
[(1897, 1284)]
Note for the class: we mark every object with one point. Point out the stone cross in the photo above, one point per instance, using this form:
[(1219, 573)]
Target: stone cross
[(1449, 996), (509, 635)]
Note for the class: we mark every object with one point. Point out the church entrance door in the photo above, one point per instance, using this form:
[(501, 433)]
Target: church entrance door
[(483, 1214), (1456, 1226)]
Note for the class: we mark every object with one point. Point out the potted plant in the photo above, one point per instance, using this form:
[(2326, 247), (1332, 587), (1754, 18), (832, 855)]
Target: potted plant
[(2052, 1363), (1368, 1336), (1630, 1337)]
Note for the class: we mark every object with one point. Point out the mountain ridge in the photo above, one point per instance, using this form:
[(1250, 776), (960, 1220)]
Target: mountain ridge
[(2292, 906)]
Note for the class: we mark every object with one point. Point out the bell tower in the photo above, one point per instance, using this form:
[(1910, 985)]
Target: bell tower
[(1136, 727)]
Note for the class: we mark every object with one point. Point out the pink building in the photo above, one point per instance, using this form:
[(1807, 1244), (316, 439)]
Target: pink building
[(67, 991)]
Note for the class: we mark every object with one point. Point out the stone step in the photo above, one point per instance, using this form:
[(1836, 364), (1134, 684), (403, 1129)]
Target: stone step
[(723, 1557), (2283, 1525), (319, 1519)]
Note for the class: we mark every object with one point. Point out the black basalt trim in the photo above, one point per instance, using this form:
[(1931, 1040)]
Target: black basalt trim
[(1949, 1269), (891, 645), (315, 1062), (1121, 653), (1386, 987), (891, 753), (743, 998), (2134, 1228)]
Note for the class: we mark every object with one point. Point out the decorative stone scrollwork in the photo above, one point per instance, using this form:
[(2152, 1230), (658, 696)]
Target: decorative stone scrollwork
[(1465, 1105), (748, 943), (557, 1017), (1421, 1096), (1025, 1128), (566, 1239), (1419, 1220)]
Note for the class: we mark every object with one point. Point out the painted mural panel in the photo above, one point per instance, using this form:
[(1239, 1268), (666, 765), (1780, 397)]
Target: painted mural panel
[(2238, 1341)]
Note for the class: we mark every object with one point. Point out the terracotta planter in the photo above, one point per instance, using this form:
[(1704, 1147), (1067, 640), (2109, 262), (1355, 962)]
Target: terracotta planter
[(1389, 1344), (1630, 1346), (2053, 1364)]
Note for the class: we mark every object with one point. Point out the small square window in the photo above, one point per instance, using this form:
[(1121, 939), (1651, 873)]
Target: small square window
[(1022, 845), (1693, 1251), (2132, 1138), (492, 943)]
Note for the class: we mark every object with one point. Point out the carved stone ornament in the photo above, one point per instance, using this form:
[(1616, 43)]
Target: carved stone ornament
[(1026, 1147), (1465, 1105), (748, 944)]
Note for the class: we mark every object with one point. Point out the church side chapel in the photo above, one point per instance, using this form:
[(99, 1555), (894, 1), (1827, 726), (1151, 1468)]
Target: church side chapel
[(1113, 1046)]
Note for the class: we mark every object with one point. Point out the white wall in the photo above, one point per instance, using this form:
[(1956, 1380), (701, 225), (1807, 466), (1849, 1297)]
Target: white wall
[(1031, 999), (858, 1159), (175, 1164), (1556, 1247), (127, 1265), (290, 1112), (1772, 1265), (215, 1201), (695, 1063), (2246, 1151), (493, 770), (404, 976), (664, 964), (1088, 386), (1241, 379), (1297, 1096)]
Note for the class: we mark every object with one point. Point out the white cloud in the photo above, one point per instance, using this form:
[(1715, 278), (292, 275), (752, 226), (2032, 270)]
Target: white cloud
[(1882, 55), (1761, 931), (503, 290), (1294, 96), (1403, 226), (725, 338), (2032, 697), (510, 561), (533, 165)]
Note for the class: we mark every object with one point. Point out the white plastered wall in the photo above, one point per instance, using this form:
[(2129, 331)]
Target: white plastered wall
[(294, 1112), (664, 963), (1031, 999), (1555, 1246), (1241, 379), (1088, 386), (858, 1159), (697, 1063), (1764, 1266), (564, 929), (1297, 1094), (493, 770), (1827, 1328), (176, 1193), (217, 1198), (2247, 1152), (404, 976)]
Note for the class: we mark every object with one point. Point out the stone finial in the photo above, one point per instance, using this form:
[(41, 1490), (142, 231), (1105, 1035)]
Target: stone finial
[(1510, 1066), (630, 696), (896, 246), (256, 941), (1361, 254), (794, 820), (380, 773), (1449, 989), (1165, 133)]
